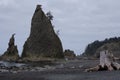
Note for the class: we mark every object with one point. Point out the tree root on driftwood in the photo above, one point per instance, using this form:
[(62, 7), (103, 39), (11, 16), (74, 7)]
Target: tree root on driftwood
[(107, 62)]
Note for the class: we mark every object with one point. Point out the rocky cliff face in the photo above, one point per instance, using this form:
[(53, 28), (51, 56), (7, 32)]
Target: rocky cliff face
[(12, 51), (42, 42), (113, 48), (111, 44)]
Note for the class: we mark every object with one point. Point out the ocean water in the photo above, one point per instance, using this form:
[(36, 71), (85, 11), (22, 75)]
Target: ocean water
[(11, 64)]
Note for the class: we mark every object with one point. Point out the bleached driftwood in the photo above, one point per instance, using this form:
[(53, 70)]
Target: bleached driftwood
[(107, 62)]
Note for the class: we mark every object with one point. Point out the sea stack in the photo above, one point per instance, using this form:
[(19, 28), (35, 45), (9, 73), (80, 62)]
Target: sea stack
[(43, 41), (12, 52)]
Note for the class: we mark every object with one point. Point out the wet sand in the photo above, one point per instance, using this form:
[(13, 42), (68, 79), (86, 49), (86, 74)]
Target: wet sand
[(70, 75)]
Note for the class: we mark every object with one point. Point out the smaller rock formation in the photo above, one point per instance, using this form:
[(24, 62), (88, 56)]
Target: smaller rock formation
[(69, 54), (12, 51), (107, 62)]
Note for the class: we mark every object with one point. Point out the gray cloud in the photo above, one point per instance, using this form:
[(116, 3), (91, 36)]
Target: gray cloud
[(79, 21)]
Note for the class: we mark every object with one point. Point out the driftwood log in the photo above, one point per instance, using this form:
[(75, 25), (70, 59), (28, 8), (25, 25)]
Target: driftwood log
[(107, 62)]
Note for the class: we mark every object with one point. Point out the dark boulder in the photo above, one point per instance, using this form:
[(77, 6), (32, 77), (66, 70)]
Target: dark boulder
[(69, 54), (42, 42)]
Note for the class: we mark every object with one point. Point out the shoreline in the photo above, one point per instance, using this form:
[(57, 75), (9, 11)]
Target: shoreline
[(69, 70)]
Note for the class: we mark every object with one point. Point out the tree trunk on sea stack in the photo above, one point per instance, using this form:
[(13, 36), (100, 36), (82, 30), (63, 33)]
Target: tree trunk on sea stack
[(107, 62)]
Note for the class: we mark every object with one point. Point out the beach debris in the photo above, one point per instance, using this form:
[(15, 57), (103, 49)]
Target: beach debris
[(107, 62)]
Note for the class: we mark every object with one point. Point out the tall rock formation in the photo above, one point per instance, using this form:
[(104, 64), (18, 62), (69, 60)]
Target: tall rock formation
[(42, 42), (12, 51)]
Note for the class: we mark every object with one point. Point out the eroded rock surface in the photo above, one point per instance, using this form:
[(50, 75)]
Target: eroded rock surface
[(42, 42), (12, 51)]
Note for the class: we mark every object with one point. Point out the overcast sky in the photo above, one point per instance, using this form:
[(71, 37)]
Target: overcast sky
[(80, 21)]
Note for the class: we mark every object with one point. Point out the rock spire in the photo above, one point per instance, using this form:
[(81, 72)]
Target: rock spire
[(42, 42), (12, 51)]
